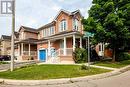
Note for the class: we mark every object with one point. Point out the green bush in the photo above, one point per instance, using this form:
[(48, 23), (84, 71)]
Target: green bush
[(84, 67), (80, 55), (123, 56)]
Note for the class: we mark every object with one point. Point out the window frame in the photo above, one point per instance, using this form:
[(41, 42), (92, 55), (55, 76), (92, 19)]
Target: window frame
[(76, 24), (63, 25)]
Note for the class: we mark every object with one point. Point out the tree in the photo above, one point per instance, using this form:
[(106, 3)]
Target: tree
[(109, 20)]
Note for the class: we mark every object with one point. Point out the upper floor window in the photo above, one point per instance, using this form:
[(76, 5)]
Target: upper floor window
[(63, 25), (52, 31), (76, 24), (48, 31)]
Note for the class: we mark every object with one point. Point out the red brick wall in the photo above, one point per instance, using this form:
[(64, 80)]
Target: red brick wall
[(69, 43), (43, 45), (30, 35)]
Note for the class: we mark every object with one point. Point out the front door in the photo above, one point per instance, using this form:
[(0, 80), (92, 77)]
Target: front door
[(42, 55)]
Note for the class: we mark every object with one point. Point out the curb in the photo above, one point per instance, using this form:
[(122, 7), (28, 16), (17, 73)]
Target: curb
[(64, 80)]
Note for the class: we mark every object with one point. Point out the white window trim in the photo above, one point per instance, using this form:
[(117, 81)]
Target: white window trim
[(77, 24), (65, 28)]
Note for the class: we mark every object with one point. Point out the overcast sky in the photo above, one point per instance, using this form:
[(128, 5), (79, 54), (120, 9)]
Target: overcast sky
[(36, 13)]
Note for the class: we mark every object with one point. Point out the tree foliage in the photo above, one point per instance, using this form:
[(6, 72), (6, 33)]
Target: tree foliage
[(109, 20)]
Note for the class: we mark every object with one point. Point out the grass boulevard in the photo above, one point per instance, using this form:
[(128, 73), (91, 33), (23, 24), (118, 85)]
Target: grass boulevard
[(42, 72)]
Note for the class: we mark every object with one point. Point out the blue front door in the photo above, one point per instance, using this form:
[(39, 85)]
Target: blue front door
[(42, 55)]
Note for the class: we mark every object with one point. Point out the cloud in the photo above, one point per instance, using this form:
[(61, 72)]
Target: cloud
[(36, 13)]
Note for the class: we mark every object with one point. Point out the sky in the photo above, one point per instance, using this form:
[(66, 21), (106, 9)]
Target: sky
[(36, 13)]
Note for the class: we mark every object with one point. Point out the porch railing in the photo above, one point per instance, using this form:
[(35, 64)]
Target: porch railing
[(69, 51), (32, 53)]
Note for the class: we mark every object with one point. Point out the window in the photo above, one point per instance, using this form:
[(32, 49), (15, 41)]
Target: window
[(63, 25), (76, 24), (44, 33), (52, 31)]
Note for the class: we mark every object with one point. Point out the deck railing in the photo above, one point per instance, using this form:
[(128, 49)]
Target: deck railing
[(32, 53)]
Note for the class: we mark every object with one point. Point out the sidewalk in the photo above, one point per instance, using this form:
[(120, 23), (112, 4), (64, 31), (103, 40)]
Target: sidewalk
[(64, 80)]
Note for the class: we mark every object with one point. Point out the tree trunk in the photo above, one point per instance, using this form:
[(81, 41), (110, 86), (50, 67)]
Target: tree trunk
[(114, 55)]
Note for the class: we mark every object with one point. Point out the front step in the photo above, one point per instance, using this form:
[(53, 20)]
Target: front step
[(53, 60)]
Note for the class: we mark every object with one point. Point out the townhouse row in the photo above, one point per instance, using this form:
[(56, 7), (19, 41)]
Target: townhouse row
[(54, 42)]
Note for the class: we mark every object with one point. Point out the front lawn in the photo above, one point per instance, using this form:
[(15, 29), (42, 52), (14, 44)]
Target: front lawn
[(113, 65), (1, 62), (40, 72)]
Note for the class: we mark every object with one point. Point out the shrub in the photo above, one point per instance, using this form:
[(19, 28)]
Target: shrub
[(80, 55), (84, 67), (123, 56)]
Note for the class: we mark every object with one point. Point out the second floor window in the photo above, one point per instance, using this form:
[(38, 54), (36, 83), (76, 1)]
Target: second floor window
[(63, 25), (52, 31), (76, 24), (48, 31)]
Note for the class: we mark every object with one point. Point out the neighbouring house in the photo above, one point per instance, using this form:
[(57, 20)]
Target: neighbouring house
[(26, 46), (5, 43), (0, 46), (103, 51)]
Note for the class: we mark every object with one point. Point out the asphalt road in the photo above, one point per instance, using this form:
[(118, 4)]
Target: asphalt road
[(122, 80)]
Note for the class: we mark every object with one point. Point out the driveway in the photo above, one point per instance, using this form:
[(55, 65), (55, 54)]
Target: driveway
[(122, 80)]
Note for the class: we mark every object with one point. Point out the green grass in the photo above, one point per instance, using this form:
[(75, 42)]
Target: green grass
[(1, 62), (113, 65), (41, 72)]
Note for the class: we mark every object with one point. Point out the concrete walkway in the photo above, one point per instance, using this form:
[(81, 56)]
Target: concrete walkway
[(103, 67)]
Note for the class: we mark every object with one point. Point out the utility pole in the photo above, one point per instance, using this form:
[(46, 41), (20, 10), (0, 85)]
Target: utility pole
[(12, 39), (88, 52)]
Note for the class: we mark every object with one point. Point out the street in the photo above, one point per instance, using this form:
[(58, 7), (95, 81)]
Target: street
[(122, 80)]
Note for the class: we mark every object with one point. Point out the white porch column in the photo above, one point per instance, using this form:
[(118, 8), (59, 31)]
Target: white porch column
[(80, 42), (49, 48), (29, 50), (18, 49), (21, 49), (74, 43), (64, 45)]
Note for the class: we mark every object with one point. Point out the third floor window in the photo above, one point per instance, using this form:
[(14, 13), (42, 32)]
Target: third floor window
[(63, 25), (76, 24)]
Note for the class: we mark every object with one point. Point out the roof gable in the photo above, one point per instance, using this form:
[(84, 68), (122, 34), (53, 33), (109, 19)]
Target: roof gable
[(5, 37), (68, 13), (28, 29)]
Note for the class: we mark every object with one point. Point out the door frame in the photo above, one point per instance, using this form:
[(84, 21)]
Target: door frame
[(39, 53)]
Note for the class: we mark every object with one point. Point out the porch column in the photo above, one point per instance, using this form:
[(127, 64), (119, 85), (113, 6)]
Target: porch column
[(21, 49), (74, 43), (64, 45), (80, 42), (49, 47), (29, 50)]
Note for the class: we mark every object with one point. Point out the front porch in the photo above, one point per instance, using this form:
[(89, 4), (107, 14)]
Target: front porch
[(60, 49), (27, 49)]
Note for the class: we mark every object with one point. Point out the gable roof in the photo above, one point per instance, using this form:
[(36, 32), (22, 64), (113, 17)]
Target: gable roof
[(62, 10), (69, 13), (47, 25), (28, 29), (5, 37)]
